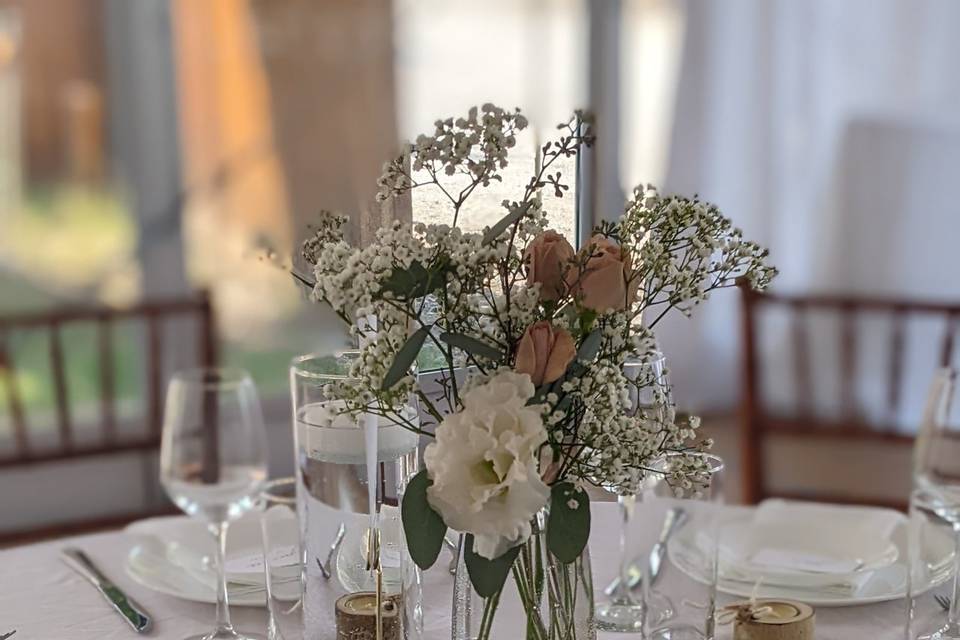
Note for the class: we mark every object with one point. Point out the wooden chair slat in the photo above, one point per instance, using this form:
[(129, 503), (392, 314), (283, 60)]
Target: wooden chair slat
[(848, 362), (107, 379), (154, 373), (8, 375), (801, 360), (58, 370), (949, 335), (895, 372), (750, 440)]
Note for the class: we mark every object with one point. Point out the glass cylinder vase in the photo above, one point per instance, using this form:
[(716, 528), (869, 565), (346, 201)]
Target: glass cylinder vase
[(335, 496), (556, 598)]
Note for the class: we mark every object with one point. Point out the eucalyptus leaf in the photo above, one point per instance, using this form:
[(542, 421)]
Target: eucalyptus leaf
[(487, 576), (416, 281), (590, 346), (494, 232), (472, 346), (423, 527), (404, 358), (568, 526)]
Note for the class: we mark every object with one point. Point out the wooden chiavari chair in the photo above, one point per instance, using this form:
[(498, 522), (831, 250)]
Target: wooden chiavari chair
[(849, 427), (105, 437)]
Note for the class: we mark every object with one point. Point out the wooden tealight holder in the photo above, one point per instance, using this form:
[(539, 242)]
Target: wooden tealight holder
[(773, 620), (357, 617)]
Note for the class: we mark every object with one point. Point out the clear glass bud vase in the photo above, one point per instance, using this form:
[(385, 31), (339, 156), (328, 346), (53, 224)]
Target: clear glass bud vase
[(556, 597)]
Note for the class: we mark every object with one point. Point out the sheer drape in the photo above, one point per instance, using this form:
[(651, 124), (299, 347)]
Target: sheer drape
[(828, 130)]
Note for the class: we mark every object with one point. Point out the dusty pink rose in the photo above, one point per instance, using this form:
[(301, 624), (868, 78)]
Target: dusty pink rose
[(603, 283), (548, 258), (545, 352)]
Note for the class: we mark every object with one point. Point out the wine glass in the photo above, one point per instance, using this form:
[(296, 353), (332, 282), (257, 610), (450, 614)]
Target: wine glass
[(282, 557), (649, 391), (213, 460), (937, 475)]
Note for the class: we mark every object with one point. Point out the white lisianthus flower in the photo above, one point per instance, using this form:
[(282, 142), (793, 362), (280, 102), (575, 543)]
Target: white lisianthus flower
[(483, 464)]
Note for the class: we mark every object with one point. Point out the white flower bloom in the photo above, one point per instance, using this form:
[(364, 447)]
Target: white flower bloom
[(483, 464)]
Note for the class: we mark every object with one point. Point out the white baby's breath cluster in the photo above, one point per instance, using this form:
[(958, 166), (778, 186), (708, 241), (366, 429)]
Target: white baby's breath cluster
[(476, 146), (530, 338), (687, 249)]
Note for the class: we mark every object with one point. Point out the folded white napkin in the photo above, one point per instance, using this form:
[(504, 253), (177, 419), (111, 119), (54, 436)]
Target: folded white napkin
[(841, 549)]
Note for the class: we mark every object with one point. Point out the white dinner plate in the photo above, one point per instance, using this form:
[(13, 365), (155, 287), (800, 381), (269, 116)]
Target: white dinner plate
[(881, 582), (172, 556)]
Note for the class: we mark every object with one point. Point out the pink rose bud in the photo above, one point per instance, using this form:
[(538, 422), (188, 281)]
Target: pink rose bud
[(604, 283), (545, 352), (548, 258)]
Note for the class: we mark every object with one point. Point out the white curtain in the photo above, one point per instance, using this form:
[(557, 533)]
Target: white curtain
[(830, 131)]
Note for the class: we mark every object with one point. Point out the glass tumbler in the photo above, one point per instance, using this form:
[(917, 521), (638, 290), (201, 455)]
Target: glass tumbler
[(337, 502), (689, 489)]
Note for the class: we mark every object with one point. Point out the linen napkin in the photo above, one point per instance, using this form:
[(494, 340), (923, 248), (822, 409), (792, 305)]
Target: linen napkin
[(831, 549), (821, 538)]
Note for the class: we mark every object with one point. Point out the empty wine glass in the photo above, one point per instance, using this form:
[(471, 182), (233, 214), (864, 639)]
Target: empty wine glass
[(282, 558), (213, 460), (627, 609), (937, 475)]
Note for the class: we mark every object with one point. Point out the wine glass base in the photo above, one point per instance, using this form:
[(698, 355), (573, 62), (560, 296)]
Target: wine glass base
[(227, 635), (676, 633), (628, 617), (946, 632)]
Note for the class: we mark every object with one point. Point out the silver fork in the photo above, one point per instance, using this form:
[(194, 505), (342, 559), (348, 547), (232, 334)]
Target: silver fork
[(7, 635), (943, 601)]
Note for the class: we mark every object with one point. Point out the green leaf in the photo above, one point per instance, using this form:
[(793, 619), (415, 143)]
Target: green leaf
[(472, 346), (423, 527), (404, 358), (416, 281), (568, 526), (587, 318), (590, 346), (494, 232), (486, 575)]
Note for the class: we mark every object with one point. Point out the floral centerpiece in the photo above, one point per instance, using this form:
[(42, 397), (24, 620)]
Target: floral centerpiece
[(532, 334)]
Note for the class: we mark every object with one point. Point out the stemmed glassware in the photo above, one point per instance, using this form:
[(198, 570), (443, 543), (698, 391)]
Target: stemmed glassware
[(627, 610), (282, 557), (937, 476), (213, 460)]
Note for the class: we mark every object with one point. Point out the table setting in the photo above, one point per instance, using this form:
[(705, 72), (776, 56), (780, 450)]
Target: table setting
[(499, 454)]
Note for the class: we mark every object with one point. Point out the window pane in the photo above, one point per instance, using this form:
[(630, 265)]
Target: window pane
[(454, 55)]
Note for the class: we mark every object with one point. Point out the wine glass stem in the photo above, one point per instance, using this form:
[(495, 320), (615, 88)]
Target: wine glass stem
[(626, 514), (953, 617), (223, 605)]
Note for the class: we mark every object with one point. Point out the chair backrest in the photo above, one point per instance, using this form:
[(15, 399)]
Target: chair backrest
[(32, 440), (863, 343)]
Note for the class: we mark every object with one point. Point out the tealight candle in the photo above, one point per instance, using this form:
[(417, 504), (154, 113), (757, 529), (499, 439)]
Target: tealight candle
[(772, 620), (357, 617)]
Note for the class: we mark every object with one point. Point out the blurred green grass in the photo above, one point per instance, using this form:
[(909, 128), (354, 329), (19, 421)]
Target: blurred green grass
[(70, 245)]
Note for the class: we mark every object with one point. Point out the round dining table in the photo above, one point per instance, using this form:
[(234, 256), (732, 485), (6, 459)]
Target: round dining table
[(42, 598)]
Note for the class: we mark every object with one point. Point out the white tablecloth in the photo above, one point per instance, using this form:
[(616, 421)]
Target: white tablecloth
[(43, 599)]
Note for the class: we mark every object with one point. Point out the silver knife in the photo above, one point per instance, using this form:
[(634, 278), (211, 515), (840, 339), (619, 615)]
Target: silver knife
[(672, 521), (133, 613)]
